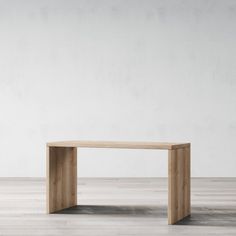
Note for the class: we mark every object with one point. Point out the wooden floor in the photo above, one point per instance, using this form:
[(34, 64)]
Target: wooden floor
[(112, 206)]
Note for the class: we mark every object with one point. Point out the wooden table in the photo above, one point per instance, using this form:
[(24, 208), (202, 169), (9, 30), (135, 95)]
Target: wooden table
[(62, 173)]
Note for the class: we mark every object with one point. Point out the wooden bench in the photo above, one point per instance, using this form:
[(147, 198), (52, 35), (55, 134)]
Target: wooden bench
[(62, 173)]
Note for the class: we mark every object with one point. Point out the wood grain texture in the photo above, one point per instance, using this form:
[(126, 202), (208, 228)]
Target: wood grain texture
[(187, 181), (61, 178), (178, 184), (62, 166), (118, 144)]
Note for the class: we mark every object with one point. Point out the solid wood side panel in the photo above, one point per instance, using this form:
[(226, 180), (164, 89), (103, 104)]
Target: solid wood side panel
[(61, 178), (172, 186), (187, 181), (178, 184)]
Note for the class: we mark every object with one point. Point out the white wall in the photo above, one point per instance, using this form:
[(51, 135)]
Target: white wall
[(118, 70)]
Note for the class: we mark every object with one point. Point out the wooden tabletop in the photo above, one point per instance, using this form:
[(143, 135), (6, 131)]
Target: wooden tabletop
[(119, 144)]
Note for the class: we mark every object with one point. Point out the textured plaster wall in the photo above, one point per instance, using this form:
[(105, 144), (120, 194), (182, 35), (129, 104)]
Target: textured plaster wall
[(118, 70)]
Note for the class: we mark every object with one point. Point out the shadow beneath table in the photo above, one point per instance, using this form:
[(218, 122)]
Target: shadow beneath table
[(151, 211), (201, 216), (212, 216)]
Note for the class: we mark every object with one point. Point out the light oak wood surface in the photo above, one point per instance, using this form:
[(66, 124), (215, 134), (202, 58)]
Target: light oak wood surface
[(179, 184), (118, 144), (61, 178), (62, 174)]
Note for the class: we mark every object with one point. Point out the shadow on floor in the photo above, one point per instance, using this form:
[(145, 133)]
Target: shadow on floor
[(152, 211), (201, 216), (213, 216)]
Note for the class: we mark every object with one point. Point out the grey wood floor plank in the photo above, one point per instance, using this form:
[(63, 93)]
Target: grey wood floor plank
[(117, 206)]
